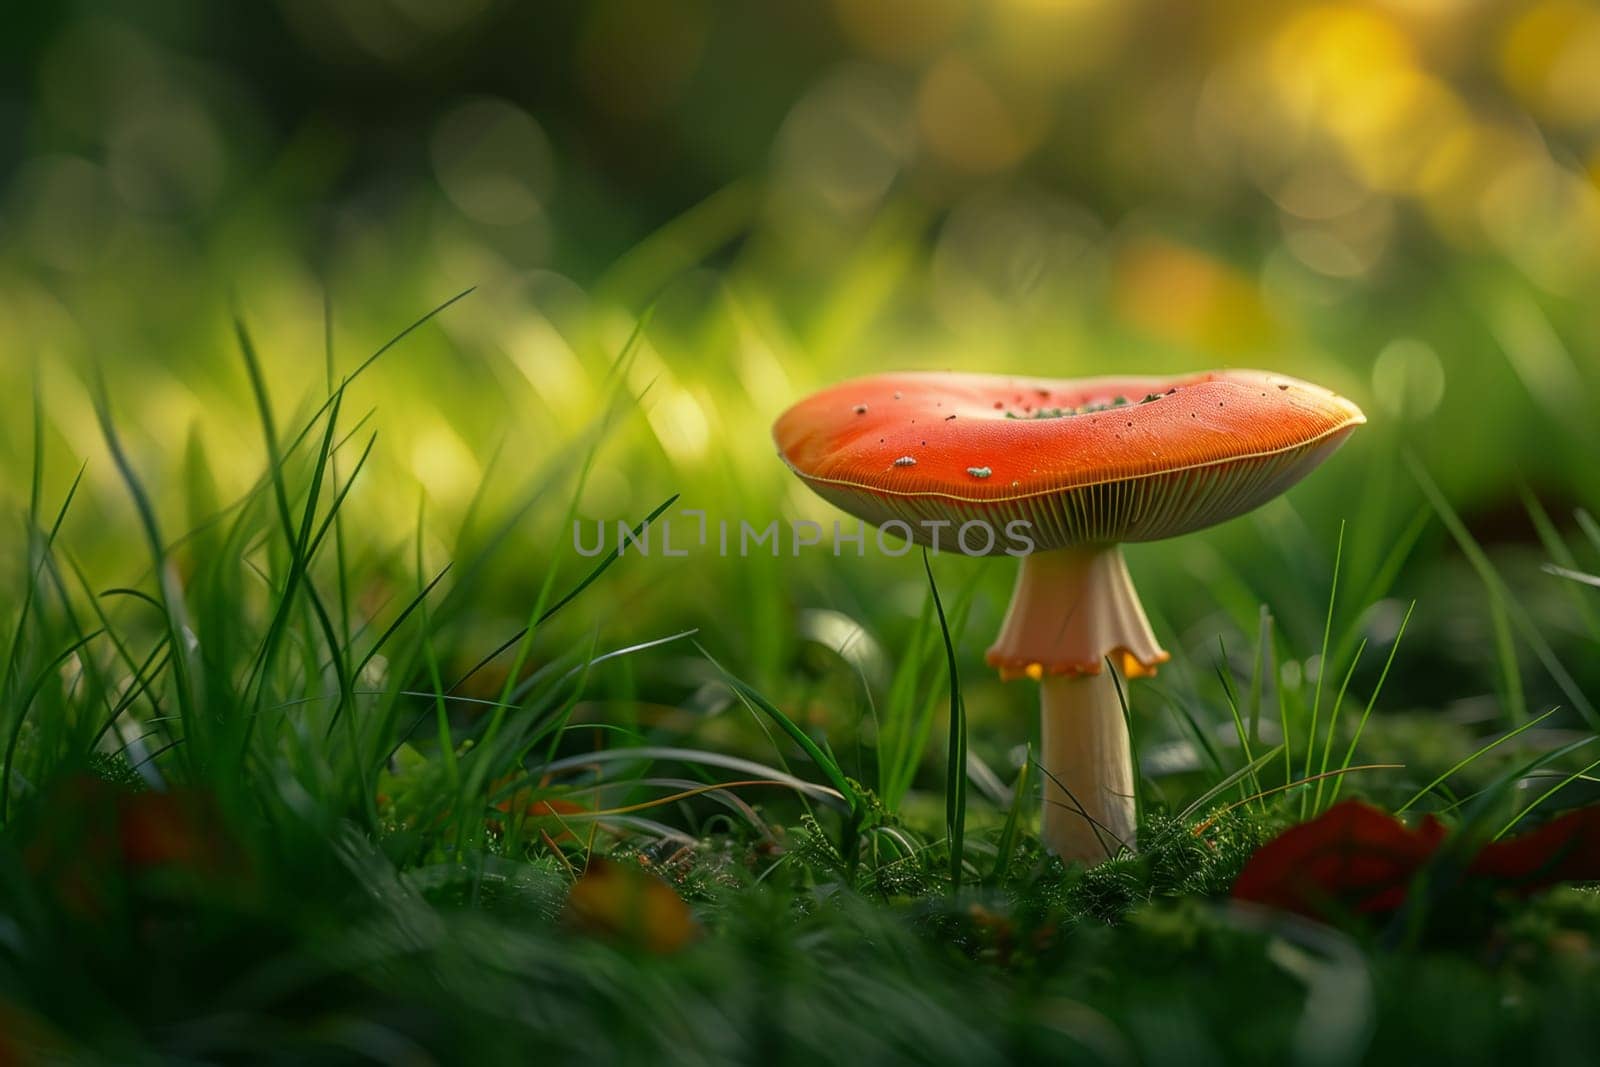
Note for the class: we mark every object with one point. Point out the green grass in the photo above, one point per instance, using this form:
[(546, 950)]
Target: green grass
[(370, 804)]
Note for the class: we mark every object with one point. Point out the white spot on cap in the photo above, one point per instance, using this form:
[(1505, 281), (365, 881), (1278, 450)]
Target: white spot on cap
[(906, 461), (979, 472)]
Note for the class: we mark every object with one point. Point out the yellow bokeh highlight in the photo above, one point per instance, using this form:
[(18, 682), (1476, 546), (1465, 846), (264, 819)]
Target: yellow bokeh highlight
[(1551, 60), (1183, 295), (967, 124)]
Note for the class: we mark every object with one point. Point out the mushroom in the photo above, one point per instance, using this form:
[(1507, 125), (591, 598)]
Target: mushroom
[(1061, 472)]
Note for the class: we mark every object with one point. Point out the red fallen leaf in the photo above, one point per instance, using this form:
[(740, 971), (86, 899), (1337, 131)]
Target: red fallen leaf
[(1357, 858), (1352, 858), (75, 848), (549, 810), (1565, 849), (556, 806), (94, 835), (179, 829), (552, 810), (544, 808)]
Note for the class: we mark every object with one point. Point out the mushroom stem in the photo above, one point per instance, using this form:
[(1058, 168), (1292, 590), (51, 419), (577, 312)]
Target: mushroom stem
[(1088, 768), (1074, 610)]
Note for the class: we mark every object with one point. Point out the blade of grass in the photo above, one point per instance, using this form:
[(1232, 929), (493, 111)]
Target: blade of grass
[(572, 594), (1133, 744), (1477, 803), (616, 380), (341, 562), (1581, 577), (1322, 665), (1590, 528), (35, 568), (1451, 860), (829, 766), (850, 832), (1565, 564), (1502, 739), (1233, 706), (955, 777), (1383, 581), (394, 626), (1257, 678), (1285, 736), (349, 379), (1013, 825), (695, 758), (1500, 593), (910, 718), (297, 537), (1337, 773), (1226, 784), (310, 424), (171, 599), (1105, 837), (896, 760), (1581, 773), (1355, 739), (1333, 722), (24, 702)]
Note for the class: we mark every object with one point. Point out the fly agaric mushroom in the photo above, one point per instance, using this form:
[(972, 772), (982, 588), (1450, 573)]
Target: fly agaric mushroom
[(1083, 465)]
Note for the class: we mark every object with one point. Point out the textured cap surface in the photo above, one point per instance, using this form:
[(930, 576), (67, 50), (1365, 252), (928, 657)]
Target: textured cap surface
[(1092, 460)]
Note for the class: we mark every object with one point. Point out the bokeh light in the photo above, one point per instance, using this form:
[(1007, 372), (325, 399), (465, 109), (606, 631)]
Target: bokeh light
[(1398, 198)]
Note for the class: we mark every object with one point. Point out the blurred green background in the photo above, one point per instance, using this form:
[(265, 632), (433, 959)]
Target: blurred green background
[(1397, 200)]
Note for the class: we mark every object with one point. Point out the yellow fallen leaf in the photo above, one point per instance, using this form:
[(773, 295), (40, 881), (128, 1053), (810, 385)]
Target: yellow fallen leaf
[(620, 902)]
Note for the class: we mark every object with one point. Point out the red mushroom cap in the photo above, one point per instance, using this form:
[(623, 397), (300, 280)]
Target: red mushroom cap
[(1084, 461)]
